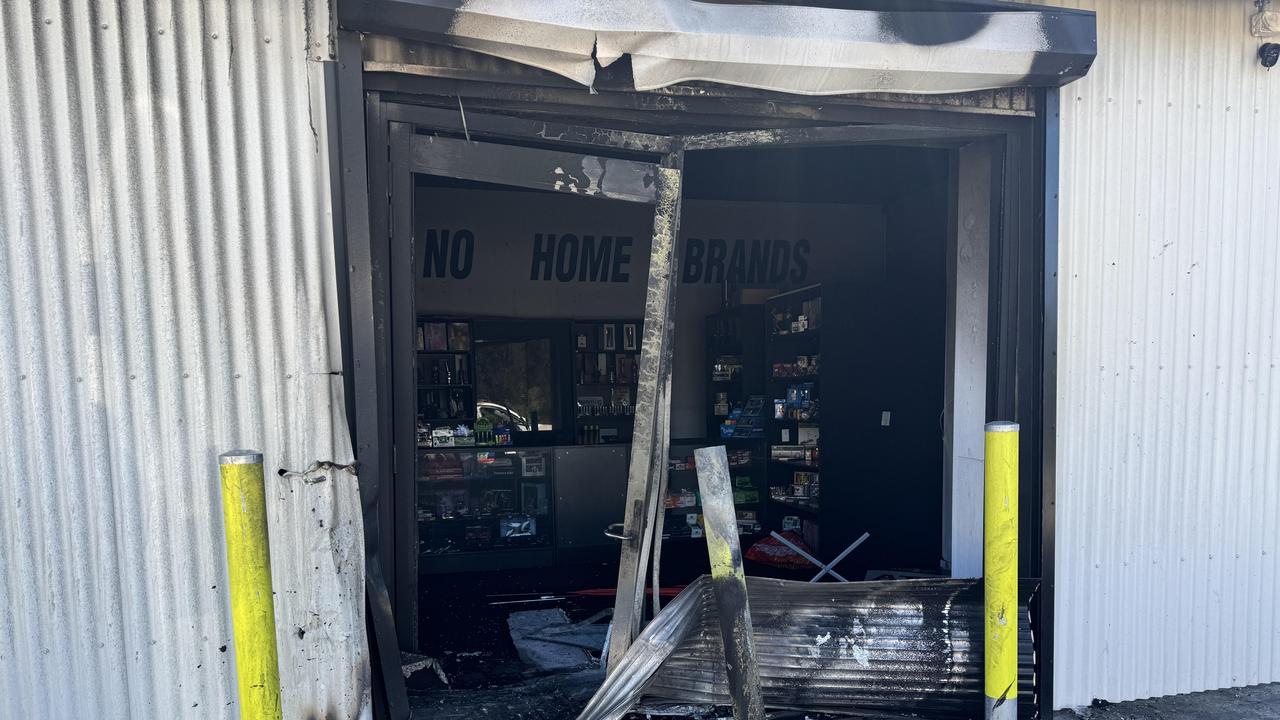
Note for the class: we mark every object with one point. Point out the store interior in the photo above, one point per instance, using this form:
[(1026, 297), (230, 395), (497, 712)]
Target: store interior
[(809, 332)]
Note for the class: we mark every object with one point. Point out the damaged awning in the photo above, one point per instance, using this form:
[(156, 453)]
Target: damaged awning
[(784, 48)]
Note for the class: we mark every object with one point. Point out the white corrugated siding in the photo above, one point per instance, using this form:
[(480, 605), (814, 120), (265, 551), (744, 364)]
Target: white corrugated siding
[(1168, 494), (167, 293)]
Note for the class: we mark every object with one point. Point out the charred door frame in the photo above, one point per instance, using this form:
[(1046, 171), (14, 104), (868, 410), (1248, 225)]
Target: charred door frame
[(1023, 286)]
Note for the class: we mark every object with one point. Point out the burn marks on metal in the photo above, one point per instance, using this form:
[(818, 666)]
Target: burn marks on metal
[(932, 28), (650, 438), (535, 168), (909, 646)]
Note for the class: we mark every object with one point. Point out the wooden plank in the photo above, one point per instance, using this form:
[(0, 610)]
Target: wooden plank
[(651, 425), (574, 173), (729, 582)]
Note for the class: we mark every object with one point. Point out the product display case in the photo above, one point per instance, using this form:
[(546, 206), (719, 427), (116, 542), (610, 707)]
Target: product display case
[(484, 508), (793, 363), (605, 378)]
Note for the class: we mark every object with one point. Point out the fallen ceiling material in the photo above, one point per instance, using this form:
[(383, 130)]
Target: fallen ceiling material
[(868, 649), (784, 48)]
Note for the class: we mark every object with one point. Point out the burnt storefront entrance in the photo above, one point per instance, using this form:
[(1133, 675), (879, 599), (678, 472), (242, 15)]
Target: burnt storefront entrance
[(557, 295)]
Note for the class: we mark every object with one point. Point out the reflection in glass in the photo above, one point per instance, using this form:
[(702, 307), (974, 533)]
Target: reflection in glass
[(515, 385)]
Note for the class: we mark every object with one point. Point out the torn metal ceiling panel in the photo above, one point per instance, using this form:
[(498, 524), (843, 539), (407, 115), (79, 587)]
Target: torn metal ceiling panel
[(784, 48), (867, 649)]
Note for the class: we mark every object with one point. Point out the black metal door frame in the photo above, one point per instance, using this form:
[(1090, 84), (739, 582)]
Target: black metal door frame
[(1023, 296)]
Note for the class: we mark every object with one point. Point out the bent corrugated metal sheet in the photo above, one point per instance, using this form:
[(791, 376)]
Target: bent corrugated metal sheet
[(863, 648), (793, 49)]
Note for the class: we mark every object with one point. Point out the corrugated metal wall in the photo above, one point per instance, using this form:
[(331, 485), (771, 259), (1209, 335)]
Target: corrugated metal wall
[(1168, 495), (167, 293)]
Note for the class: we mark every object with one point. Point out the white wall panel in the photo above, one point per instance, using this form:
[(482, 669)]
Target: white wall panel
[(167, 293), (1168, 490)]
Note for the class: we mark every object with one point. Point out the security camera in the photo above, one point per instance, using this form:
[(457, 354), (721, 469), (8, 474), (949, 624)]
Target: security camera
[(1269, 54)]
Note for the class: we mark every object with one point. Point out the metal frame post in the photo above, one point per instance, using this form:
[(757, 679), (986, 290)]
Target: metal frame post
[(729, 582)]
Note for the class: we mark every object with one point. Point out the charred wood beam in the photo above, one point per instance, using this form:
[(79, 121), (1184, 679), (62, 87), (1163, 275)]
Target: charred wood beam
[(729, 582), (534, 168), (651, 434)]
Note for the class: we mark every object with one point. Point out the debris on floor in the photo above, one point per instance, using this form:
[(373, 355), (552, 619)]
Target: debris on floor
[(546, 641), (421, 672), (868, 649)]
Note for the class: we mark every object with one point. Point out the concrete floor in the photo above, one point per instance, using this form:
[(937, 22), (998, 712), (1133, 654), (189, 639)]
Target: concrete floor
[(1255, 703)]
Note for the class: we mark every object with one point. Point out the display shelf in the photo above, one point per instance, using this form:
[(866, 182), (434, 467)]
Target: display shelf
[(796, 465), (479, 500), (798, 504), (796, 361), (606, 368)]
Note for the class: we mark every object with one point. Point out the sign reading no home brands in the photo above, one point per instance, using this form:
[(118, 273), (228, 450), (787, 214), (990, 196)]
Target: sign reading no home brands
[(505, 253), (570, 257)]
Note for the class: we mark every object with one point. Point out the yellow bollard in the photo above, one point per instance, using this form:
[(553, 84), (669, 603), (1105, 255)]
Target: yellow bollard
[(253, 617), (1000, 571)]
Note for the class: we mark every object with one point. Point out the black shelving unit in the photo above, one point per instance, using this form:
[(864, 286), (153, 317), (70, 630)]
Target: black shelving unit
[(869, 431), (445, 372), (606, 357), (793, 363), (735, 338)]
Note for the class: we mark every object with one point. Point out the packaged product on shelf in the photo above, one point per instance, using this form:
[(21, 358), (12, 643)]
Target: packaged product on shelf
[(533, 498), (451, 503), (442, 437), (517, 526), (681, 499), (477, 536)]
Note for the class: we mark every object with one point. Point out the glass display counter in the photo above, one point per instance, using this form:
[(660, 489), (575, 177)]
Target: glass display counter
[(484, 508)]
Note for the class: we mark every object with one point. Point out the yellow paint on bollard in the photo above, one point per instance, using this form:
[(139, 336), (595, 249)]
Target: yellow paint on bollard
[(1000, 571), (253, 617)]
